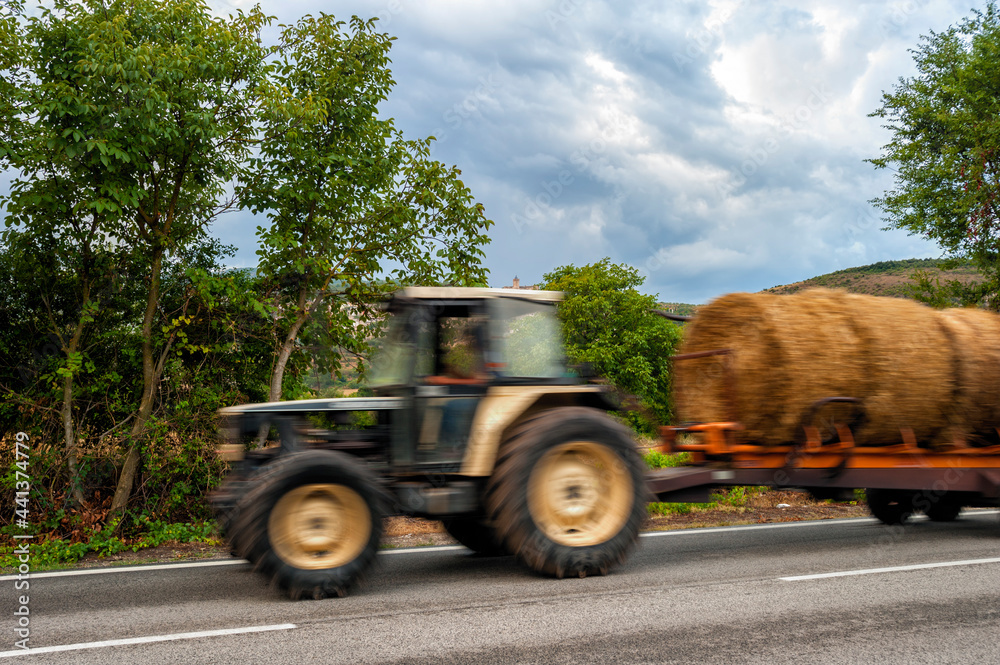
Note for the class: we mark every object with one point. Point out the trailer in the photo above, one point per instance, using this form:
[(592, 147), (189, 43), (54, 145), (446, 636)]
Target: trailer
[(899, 479)]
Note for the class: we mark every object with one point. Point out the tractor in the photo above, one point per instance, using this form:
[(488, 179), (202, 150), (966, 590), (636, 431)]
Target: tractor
[(475, 420)]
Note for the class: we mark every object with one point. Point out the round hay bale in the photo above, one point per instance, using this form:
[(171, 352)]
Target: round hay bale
[(913, 369), (720, 388), (823, 345), (788, 352), (976, 407)]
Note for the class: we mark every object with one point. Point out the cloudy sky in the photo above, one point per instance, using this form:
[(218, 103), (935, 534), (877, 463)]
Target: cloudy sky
[(716, 146)]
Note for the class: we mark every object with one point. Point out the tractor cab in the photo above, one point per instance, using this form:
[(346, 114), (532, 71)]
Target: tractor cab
[(447, 348)]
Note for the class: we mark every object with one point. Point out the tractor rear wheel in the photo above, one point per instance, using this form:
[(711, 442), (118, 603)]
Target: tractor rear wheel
[(311, 524), (568, 492)]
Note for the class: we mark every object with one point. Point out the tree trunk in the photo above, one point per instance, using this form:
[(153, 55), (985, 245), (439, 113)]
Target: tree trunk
[(302, 311), (284, 353), (69, 432), (149, 380), (67, 418)]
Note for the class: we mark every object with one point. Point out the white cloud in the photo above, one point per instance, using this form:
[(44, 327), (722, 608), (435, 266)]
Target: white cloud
[(722, 141)]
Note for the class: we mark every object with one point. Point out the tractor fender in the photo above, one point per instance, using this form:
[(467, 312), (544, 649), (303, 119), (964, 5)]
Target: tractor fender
[(504, 406)]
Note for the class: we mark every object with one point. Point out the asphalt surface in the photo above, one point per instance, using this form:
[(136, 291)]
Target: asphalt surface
[(705, 595)]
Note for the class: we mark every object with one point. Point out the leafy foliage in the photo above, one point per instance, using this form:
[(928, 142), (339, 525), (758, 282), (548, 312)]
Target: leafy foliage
[(657, 460), (129, 126), (354, 209), (610, 325), (945, 149)]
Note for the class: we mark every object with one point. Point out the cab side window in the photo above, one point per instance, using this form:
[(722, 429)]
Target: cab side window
[(460, 347)]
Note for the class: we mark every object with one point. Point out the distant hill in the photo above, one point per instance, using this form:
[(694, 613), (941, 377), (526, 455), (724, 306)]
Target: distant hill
[(886, 278), (678, 308)]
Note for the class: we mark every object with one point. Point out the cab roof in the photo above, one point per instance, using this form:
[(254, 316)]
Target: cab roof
[(467, 293)]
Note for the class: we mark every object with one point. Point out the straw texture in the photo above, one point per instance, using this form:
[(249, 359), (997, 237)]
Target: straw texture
[(937, 373)]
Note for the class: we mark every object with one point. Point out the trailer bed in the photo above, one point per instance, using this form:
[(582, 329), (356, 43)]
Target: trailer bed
[(823, 467)]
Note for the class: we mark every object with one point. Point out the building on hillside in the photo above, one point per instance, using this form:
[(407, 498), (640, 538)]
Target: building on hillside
[(517, 285)]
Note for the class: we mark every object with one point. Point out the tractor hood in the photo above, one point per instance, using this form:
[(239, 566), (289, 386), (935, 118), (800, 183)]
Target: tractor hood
[(317, 405)]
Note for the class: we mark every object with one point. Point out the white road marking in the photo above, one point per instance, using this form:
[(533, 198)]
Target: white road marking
[(893, 569), (451, 548), (788, 525), (413, 550), (126, 569), (146, 640), (755, 527), (194, 564)]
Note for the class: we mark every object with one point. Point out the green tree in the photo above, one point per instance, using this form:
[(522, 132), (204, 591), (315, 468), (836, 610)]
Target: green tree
[(610, 324), (129, 125), (945, 150), (138, 114), (353, 207), (12, 74)]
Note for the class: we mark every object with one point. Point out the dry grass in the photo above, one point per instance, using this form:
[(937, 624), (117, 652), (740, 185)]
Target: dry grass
[(741, 322), (935, 373), (975, 337), (402, 526)]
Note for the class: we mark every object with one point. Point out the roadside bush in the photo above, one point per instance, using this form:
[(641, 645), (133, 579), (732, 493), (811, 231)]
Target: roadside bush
[(656, 460), (737, 497), (610, 326), (104, 542), (663, 508)]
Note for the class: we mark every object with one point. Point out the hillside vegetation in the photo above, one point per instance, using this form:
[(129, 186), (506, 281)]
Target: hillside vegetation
[(885, 278), (680, 308)]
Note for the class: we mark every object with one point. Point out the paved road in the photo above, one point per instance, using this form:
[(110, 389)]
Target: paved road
[(708, 595)]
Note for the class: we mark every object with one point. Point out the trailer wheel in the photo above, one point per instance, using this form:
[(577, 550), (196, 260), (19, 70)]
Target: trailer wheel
[(945, 508), (476, 534), (890, 506), (311, 524), (568, 493)]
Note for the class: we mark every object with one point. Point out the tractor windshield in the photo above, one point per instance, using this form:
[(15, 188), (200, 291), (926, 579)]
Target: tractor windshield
[(444, 338), (526, 341)]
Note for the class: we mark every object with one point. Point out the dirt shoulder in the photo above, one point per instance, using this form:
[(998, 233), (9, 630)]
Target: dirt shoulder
[(401, 532), (771, 506)]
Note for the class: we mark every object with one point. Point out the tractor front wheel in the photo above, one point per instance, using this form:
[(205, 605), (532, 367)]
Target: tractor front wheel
[(311, 524)]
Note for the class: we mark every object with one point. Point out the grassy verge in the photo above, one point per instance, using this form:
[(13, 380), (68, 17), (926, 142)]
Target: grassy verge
[(729, 500), (657, 460), (52, 553)]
